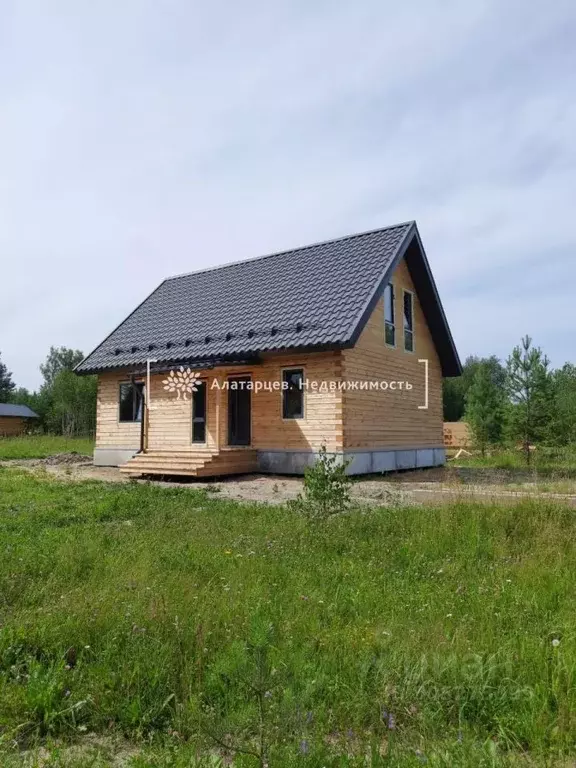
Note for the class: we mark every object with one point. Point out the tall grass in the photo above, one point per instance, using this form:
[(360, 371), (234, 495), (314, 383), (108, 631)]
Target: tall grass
[(41, 446), (407, 635), (545, 459)]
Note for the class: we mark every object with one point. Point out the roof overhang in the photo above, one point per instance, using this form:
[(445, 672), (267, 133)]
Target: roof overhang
[(165, 366)]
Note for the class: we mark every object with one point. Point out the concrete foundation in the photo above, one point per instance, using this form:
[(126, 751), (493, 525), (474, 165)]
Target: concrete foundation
[(362, 462), (112, 457)]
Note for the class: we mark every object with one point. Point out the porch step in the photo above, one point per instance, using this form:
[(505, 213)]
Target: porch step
[(191, 464)]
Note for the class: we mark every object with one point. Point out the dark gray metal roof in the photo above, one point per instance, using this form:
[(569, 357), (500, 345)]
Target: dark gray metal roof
[(318, 296), (19, 411)]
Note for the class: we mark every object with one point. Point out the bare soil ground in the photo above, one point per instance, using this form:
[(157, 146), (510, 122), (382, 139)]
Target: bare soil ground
[(431, 486)]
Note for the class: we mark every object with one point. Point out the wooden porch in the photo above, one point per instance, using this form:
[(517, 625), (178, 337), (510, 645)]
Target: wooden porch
[(198, 463)]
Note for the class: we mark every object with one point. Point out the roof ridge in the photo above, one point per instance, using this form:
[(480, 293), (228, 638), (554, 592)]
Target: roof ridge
[(316, 244)]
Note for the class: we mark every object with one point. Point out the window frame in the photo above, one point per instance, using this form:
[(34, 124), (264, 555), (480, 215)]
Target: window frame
[(229, 378), (405, 292), (203, 381), (392, 323), (286, 369), (141, 384)]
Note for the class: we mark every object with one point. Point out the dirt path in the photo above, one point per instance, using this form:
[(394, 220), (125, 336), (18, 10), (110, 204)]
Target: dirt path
[(434, 486)]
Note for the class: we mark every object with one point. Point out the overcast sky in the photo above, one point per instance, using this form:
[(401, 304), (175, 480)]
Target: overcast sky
[(144, 138)]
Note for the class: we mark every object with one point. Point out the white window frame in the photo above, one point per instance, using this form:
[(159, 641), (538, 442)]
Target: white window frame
[(413, 295)]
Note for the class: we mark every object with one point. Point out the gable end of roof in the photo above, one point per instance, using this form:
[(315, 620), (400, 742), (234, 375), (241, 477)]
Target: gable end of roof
[(412, 250)]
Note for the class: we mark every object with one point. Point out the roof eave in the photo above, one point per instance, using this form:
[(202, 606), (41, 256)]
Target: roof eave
[(219, 361)]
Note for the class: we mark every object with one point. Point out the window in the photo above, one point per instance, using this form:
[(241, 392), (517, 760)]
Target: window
[(408, 321), (199, 413), (131, 398), (389, 328), (293, 393)]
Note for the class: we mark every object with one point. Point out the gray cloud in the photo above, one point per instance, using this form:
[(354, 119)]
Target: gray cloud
[(141, 139)]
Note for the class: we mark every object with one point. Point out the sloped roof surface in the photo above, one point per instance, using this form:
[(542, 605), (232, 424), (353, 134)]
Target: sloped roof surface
[(311, 296), (21, 411)]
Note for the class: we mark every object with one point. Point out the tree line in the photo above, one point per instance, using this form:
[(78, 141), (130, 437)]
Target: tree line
[(520, 402), (65, 402)]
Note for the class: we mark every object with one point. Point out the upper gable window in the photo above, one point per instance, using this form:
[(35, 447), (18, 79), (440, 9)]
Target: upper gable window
[(408, 321), (389, 326)]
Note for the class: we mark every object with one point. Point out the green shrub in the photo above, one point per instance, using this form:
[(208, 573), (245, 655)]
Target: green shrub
[(326, 487)]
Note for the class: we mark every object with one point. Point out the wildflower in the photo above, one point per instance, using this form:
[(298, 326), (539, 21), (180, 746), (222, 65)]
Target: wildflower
[(268, 695), (303, 747), (391, 722), (555, 642), (421, 756)]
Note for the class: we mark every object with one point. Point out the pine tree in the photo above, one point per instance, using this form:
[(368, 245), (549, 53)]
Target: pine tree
[(529, 388), (562, 428), (7, 386), (484, 408), (456, 389)]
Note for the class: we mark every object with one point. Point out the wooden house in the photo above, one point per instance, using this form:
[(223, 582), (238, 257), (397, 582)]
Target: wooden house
[(252, 366), (15, 419)]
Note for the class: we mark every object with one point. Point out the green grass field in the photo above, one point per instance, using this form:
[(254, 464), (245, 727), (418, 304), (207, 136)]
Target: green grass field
[(192, 627), (41, 446), (547, 460)]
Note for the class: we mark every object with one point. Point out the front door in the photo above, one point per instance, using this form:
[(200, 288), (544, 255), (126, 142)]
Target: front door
[(239, 411)]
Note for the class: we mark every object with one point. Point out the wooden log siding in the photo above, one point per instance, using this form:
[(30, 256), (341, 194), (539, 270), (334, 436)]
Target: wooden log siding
[(11, 426), (110, 431), (170, 419), (378, 419)]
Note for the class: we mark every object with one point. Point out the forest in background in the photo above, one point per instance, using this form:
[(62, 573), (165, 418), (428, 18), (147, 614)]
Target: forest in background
[(65, 402), (522, 402)]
